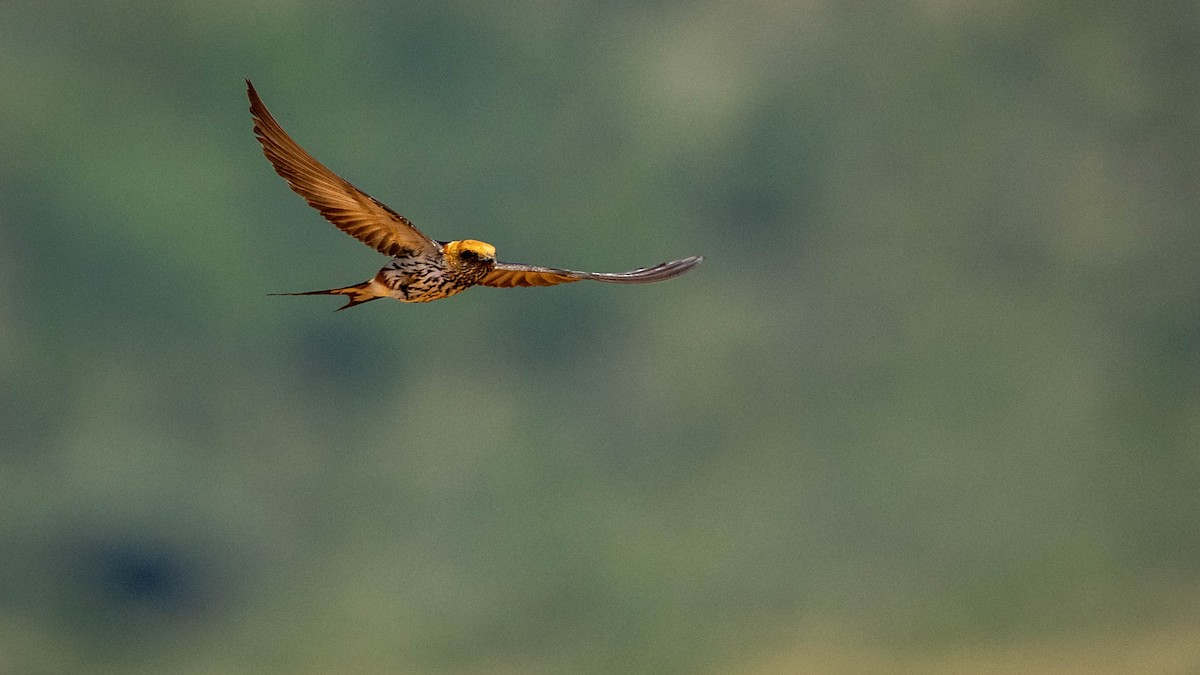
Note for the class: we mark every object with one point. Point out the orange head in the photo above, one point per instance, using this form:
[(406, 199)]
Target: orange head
[(470, 252), (469, 260)]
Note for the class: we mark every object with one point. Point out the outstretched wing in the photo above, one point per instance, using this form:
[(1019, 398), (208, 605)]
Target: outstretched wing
[(507, 275), (353, 211)]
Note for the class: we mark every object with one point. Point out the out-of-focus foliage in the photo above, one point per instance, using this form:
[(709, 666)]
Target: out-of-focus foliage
[(934, 396)]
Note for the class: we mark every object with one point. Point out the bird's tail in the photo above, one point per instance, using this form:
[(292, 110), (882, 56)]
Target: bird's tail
[(358, 293)]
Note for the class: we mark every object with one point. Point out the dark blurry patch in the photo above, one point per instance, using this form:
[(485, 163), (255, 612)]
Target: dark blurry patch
[(122, 594), (127, 575), (134, 575)]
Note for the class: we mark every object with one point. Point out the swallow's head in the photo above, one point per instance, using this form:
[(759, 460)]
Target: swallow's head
[(470, 254)]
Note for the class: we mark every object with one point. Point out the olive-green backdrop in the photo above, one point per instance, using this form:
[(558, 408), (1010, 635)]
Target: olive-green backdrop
[(932, 403)]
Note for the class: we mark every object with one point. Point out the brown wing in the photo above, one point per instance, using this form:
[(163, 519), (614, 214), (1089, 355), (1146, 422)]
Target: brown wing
[(353, 211), (507, 275)]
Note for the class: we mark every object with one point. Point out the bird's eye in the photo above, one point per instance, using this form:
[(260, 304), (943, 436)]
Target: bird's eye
[(468, 255)]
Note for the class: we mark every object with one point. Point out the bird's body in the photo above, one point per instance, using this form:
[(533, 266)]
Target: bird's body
[(418, 281), (421, 269), (418, 278)]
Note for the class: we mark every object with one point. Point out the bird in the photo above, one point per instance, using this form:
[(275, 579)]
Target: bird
[(421, 269)]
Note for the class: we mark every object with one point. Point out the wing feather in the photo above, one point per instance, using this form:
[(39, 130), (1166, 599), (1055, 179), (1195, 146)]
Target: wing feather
[(508, 275), (353, 211)]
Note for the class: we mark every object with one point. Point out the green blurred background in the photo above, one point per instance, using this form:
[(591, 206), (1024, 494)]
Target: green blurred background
[(931, 405)]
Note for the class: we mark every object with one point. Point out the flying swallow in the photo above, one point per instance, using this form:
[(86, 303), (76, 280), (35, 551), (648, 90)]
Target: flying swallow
[(421, 269)]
